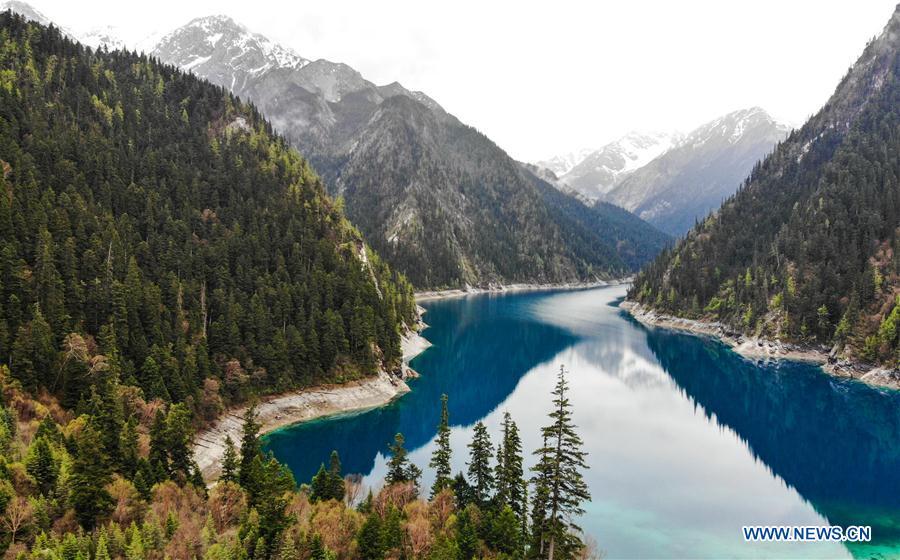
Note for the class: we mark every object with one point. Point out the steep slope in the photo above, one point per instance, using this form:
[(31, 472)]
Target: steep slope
[(156, 217), (809, 248), (437, 198), (600, 171), (688, 181), (634, 242)]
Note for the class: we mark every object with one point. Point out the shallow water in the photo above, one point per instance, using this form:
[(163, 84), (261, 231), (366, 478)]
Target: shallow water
[(688, 441)]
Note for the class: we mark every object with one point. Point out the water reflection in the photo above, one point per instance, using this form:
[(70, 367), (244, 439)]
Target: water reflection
[(835, 441), (687, 441)]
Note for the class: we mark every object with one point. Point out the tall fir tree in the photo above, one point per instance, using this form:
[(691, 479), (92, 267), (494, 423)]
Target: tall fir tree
[(560, 485), (230, 464), (440, 458), (399, 467), (481, 475), (90, 475), (250, 449)]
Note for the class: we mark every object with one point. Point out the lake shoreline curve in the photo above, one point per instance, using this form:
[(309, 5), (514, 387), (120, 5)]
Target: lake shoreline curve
[(285, 409), (758, 348), (513, 288)]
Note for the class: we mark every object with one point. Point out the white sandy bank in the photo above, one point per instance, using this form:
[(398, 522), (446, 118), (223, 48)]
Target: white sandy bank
[(282, 410)]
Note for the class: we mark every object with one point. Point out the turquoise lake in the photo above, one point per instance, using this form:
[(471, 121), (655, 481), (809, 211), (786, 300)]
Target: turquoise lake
[(687, 441)]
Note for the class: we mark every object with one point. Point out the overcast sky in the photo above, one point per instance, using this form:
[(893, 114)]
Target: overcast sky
[(546, 78)]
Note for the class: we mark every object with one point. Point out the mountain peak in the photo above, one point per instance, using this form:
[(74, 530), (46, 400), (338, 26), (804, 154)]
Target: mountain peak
[(31, 13), (227, 51)]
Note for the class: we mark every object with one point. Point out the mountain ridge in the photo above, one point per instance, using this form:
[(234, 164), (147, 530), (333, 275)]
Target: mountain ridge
[(807, 250), (445, 215)]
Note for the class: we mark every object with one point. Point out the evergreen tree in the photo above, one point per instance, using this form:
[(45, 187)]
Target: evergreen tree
[(370, 539), (128, 446), (440, 458), (178, 438), (560, 485), (480, 472), (229, 462), (511, 484), (251, 449), (463, 491), (335, 479), (42, 466), (399, 467), (159, 453), (89, 477)]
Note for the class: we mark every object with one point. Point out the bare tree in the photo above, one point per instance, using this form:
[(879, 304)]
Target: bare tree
[(353, 489), (18, 514)]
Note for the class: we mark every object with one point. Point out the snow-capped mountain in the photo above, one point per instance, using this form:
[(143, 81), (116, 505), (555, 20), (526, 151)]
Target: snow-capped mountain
[(694, 176), (599, 171), (106, 36), (225, 52), (29, 12), (563, 163), (424, 188)]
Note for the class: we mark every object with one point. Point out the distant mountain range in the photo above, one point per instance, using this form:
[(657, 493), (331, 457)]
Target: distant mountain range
[(435, 197), (596, 172), (669, 179), (807, 250)]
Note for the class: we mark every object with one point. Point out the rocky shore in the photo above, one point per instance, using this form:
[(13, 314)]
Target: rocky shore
[(504, 288), (764, 349)]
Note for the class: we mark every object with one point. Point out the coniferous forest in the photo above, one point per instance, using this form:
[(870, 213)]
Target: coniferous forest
[(164, 255), (809, 248), (155, 228), (168, 259)]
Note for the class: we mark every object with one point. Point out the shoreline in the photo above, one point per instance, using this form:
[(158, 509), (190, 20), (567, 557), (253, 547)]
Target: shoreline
[(432, 295), (285, 409), (755, 348)]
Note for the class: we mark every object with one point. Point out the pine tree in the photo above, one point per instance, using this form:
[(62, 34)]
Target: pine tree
[(89, 477), (178, 437), (399, 467), (561, 488), (440, 459), (229, 462), (480, 472), (159, 453), (370, 539), (42, 466), (128, 446), (319, 486), (511, 484), (250, 449), (336, 488)]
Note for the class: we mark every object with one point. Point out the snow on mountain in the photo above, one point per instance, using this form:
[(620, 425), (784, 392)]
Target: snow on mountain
[(599, 171), (695, 175), (106, 36), (224, 51), (31, 13), (562, 164)]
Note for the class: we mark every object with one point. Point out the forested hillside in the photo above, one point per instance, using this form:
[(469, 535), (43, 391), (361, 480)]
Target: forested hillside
[(809, 248), (152, 227), (436, 198)]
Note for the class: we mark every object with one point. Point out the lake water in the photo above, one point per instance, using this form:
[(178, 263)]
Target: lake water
[(687, 441)]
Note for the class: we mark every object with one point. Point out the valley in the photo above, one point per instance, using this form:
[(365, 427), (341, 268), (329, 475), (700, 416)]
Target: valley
[(258, 303)]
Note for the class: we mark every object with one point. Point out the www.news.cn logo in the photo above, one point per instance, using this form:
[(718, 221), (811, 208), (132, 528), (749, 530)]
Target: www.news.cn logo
[(811, 533)]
